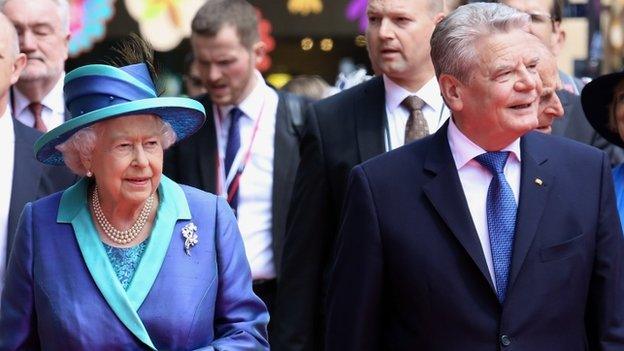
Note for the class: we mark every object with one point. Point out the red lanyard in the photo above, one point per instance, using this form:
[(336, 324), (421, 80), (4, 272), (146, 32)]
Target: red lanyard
[(232, 188)]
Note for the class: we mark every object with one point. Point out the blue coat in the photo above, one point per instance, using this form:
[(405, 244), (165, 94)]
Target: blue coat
[(61, 292)]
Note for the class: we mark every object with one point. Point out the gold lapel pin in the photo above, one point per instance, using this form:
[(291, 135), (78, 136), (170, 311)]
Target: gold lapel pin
[(539, 182)]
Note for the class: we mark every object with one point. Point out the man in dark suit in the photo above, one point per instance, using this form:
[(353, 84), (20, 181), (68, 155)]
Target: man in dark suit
[(485, 236), (244, 151), (341, 132), (23, 178)]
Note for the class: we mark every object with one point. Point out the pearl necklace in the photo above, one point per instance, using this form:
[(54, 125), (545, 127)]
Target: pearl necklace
[(120, 237)]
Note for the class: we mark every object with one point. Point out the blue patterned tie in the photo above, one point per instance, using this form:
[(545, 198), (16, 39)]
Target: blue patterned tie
[(232, 146), (501, 218)]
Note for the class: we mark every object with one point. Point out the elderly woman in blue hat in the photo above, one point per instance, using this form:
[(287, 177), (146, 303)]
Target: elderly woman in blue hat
[(126, 259), (603, 103)]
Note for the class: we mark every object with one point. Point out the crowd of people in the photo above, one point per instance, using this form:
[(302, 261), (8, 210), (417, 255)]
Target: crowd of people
[(468, 196)]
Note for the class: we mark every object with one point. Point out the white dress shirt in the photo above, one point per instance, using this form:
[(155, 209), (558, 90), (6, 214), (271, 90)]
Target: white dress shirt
[(7, 145), (255, 192), (475, 180), (53, 107), (434, 110)]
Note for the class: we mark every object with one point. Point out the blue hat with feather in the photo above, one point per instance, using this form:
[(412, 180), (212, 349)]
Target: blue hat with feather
[(95, 93)]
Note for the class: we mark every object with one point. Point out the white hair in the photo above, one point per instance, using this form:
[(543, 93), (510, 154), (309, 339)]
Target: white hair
[(81, 145), (63, 11), (453, 42)]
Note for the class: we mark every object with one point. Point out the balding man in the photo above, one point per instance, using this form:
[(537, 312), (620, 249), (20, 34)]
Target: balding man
[(43, 30), (22, 178)]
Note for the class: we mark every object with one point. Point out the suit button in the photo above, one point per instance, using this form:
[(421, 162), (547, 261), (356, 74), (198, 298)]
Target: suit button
[(505, 340)]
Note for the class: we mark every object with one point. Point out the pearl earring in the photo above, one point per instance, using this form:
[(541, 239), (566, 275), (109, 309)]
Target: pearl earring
[(89, 174)]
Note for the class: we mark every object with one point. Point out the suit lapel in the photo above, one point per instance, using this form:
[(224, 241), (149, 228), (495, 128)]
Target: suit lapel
[(447, 196), (74, 209), (532, 200), (370, 113)]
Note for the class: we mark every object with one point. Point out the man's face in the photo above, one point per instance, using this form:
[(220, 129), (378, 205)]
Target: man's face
[(42, 37), (549, 105), (398, 37), (542, 25), (499, 103), (225, 65)]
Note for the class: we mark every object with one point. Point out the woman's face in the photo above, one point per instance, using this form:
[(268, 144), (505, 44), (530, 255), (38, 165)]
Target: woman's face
[(127, 159), (618, 108)]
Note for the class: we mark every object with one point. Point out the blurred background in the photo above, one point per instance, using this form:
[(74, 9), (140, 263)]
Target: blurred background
[(312, 37)]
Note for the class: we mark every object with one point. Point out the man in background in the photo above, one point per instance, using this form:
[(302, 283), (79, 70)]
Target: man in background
[(550, 107), (400, 105), (546, 17), (244, 151), (43, 30)]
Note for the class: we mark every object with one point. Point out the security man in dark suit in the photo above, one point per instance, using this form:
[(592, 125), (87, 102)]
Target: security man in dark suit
[(244, 151), (400, 105)]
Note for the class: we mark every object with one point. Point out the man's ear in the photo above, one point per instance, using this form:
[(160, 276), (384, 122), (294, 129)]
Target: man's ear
[(452, 92), (259, 51), (438, 17), (18, 66)]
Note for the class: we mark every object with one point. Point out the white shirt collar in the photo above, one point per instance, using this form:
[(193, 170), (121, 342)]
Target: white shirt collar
[(429, 93), (7, 135), (54, 100), (464, 149)]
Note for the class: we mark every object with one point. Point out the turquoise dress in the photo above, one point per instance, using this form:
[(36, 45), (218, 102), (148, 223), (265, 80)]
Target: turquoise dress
[(618, 181), (125, 261)]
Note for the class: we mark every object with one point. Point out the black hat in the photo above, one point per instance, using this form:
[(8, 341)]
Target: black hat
[(596, 98)]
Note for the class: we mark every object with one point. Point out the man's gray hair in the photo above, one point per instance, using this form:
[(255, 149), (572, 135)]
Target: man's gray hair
[(63, 11), (453, 42)]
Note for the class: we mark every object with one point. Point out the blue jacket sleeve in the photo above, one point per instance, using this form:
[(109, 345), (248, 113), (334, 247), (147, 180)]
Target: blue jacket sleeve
[(240, 316), (18, 321)]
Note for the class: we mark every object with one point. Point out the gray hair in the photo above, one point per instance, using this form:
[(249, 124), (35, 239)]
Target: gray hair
[(63, 11), (454, 38), (82, 143)]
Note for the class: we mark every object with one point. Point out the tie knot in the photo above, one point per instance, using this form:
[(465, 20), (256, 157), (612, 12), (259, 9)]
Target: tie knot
[(235, 114), (413, 103), (493, 161), (35, 108)]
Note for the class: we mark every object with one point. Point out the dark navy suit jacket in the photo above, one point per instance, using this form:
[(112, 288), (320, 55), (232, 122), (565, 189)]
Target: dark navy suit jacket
[(410, 273), (31, 178)]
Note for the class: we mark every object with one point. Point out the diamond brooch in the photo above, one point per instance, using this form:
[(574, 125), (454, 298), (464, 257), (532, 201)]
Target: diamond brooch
[(189, 232)]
